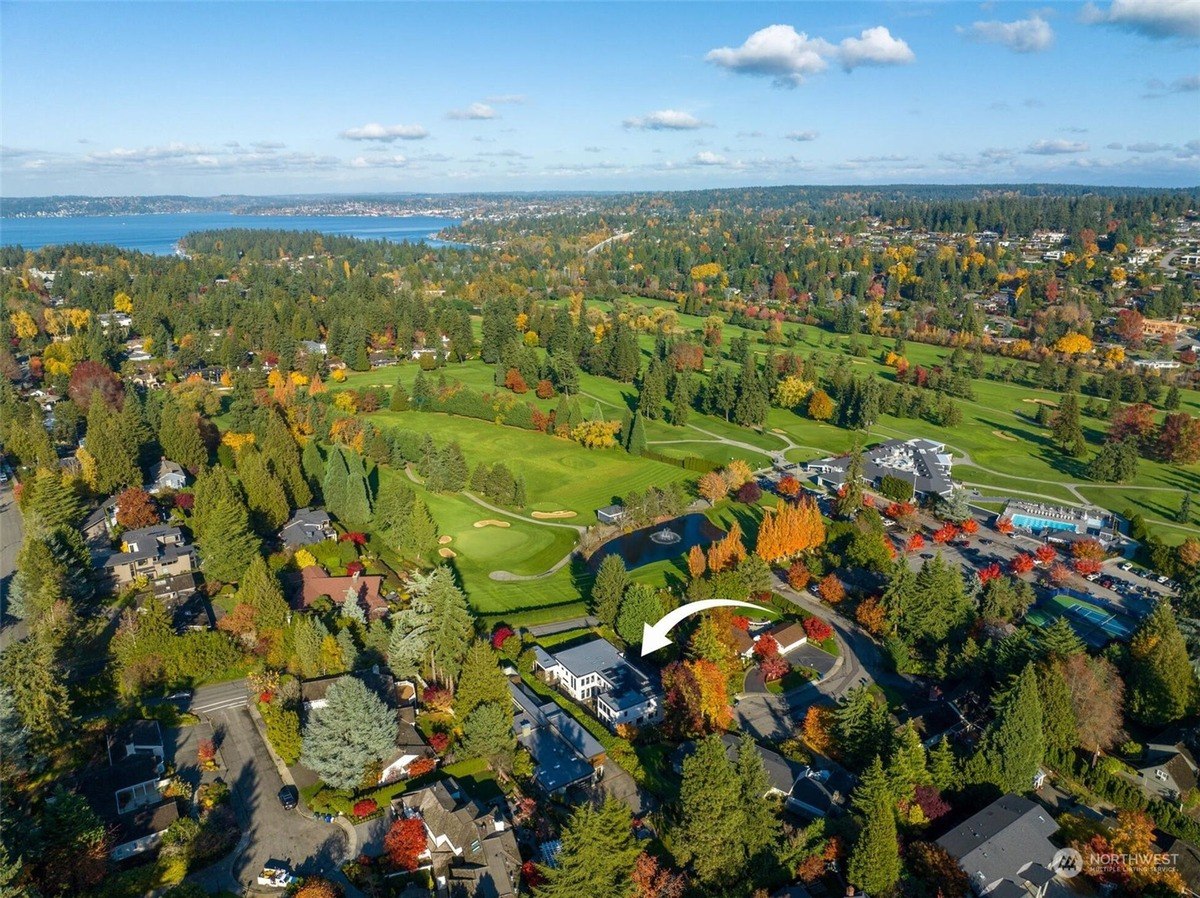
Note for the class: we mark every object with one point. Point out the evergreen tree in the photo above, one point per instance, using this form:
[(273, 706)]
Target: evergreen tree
[(226, 543), (861, 728), (344, 740), (850, 496), (753, 403), (116, 463), (335, 485), (347, 649), (313, 464), (259, 588), (760, 826), (943, 766), (1161, 682), (31, 674), (640, 605), (637, 436), (488, 733), (909, 765), (283, 459), (481, 681), (1058, 716), (597, 856), (653, 392), (681, 399), (266, 496), (608, 588), (1058, 641), (408, 645), (1171, 403), (357, 508), (1184, 514), (451, 627), (1065, 427), (50, 503), (875, 859), (179, 436), (1014, 745), (712, 818)]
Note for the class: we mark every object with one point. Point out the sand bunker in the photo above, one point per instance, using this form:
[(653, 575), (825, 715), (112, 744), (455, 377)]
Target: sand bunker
[(447, 553), (1042, 402), (492, 522), (545, 515), (443, 540), (1005, 436)]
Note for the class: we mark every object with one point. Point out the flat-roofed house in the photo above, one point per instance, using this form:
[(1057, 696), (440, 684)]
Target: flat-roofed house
[(596, 674)]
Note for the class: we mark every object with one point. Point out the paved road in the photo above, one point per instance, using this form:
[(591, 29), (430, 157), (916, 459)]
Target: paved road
[(268, 831), (11, 534)]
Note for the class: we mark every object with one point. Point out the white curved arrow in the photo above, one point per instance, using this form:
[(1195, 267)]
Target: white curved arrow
[(654, 637)]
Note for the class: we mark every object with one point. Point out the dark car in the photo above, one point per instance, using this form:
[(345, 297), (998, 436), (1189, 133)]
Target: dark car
[(289, 797)]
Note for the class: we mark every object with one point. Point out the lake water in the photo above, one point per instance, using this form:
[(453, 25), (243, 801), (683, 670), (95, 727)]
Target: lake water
[(158, 234), (637, 548)]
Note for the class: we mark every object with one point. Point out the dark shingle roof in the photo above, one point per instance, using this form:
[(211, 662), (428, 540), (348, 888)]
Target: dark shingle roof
[(1002, 839)]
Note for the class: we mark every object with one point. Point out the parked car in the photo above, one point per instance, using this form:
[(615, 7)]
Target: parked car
[(289, 797)]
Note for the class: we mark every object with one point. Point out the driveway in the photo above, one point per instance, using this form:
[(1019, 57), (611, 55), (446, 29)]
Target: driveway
[(11, 535), (268, 831)]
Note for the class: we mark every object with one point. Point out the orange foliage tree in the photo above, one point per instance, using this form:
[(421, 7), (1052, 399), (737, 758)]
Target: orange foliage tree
[(713, 487), (1021, 564), (728, 552), (871, 616), (799, 576), (1045, 553), (696, 562), (1004, 525), (945, 533), (969, 526), (789, 530), (1088, 548), (135, 509), (788, 486), (697, 698), (405, 842), (915, 543), (831, 589), (818, 728)]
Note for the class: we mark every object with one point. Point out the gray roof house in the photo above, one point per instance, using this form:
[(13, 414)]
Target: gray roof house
[(1167, 771), (596, 674), (471, 847), (152, 552), (610, 514), (564, 753), (167, 475), (924, 463), (307, 527), (1005, 849)]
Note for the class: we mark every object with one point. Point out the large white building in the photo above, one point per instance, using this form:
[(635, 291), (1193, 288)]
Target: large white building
[(595, 673), (924, 463)]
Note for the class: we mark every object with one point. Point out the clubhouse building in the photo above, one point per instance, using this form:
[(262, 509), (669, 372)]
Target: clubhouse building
[(924, 463)]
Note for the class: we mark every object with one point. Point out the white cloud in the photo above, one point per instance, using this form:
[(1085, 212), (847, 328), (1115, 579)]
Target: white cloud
[(875, 46), (269, 145), (396, 161), (1056, 147), (1157, 19), (1030, 35), (147, 154), (777, 51), (709, 158), (802, 136), (474, 112), (995, 154), (666, 120), (385, 133)]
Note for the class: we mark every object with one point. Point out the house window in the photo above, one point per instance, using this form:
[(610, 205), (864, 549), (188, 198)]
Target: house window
[(1160, 775)]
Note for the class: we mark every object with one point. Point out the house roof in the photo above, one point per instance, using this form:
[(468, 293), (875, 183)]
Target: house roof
[(161, 542), (1002, 839), (147, 821), (313, 582), (916, 461), (139, 733), (562, 749), (787, 632), (306, 526), (1176, 760), (627, 685), (741, 639), (165, 467), (489, 861), (1187, 862)]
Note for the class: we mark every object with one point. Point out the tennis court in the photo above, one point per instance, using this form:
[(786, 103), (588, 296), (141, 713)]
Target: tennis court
[(1094, 625)]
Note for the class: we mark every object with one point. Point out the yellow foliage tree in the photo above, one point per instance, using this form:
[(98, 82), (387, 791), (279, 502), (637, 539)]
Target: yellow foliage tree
[(1073, 344), (236, 441), (88, 472), (736, 473), (122, 303), (23, 325), (596, 434), (791, 391), (346, 401), (304, 558), (338, 375)]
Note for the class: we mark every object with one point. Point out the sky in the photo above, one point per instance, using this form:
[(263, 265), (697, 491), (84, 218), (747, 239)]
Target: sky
[(285, 97)]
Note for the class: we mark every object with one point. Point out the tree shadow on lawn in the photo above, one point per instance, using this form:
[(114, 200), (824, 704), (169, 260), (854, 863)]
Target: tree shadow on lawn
[(1045, 450)]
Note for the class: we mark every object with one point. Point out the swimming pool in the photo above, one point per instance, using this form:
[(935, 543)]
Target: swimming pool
[(1028, 522)]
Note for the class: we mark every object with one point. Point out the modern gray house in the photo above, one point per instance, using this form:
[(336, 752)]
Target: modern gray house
[(596, 674), (563, 752), (1005, 849)]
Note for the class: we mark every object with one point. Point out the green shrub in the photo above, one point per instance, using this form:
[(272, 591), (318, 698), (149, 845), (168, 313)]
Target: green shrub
[(283, 731)]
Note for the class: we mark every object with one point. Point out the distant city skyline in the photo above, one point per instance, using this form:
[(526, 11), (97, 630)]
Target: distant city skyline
[(270, 98)]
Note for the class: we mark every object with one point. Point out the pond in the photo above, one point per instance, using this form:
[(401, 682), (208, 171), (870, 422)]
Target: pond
[(660, 542)]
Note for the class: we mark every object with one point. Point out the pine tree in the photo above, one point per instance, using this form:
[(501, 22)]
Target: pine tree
[(116, 463), (640, 605), (597, 856), (346, 738), (283, 459), (259, 588), (357, 508), (422, 533), (760, 826), (1013, 746), (709, 835), (909, 765), (30, 672), (179, 436), (653, 392), (943, 766), (313, 465), (1161, 682), (875, 860), (352, 609), (451, 627), (607, 589), (51, 503), (637, 436), (681, 399), (408, 644), (1184, 514), (481, 681), (1058, 716), (347, 650), (488, 733), (266, 496), (850, 497), (1058, 641), (226, 543), (335, 485)]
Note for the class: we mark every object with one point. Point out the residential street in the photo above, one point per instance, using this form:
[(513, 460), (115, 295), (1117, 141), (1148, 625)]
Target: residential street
[(11, 534), (268, 831)]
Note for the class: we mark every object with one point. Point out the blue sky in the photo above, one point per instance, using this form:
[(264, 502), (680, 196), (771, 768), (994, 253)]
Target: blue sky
[(308, 97)]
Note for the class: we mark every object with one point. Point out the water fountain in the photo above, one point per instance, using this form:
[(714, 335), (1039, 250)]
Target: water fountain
[(665, 537)]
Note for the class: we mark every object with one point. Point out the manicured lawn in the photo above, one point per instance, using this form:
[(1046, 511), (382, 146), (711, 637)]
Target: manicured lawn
[(793, 679)]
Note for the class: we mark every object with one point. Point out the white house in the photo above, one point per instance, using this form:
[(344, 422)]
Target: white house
[(595, 672), (167, 475)]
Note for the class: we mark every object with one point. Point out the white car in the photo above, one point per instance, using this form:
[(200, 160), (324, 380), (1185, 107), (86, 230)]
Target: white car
[(1163, 578), (1127, 567)]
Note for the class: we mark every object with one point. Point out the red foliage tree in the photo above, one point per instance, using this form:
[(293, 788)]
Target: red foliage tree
[(355, 567), (788, 486), (687, 357), (532, 875), (991, 572), (365, 808), (1004, 525), (544, 389), (185, 501), (1045, 553), (652, 880), (1059, 573), (439, 742), (1130, 327), (88, 377), (1021, 564), (405, 842), (421, 766), (930, 800), (970, 526), (817, 630), (1135, 421), (946, 533), (738, 622), (1087, 566), (354, 536), (515, 382), (749, 493), (765, 646), (502, 634), (899, 511), (206, 752), (1179, 439), (436, 698), (915, 543), (774, 668), (136, 509)]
